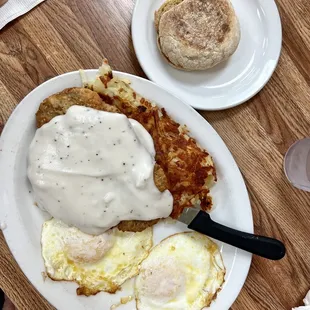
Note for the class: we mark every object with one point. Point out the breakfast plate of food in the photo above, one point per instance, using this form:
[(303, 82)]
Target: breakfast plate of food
[(212, 54), (96, 168)]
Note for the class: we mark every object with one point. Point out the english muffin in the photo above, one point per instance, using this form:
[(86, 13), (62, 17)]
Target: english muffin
[(197, 34)]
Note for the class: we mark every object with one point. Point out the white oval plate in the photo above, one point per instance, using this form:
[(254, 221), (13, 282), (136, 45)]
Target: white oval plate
[(24, 220), (227, 84)]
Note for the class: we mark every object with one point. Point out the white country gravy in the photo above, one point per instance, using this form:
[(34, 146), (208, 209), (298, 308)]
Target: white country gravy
[(92, 169)]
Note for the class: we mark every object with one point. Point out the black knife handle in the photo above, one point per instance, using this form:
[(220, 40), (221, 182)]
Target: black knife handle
[(259, 245)]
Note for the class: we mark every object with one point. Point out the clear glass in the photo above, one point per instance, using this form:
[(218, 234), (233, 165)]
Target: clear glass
[(297, 164)]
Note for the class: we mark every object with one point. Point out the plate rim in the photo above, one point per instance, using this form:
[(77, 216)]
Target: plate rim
[(278, 44), (6, 132)]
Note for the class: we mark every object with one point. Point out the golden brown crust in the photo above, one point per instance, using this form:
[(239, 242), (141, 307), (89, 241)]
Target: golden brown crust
[(160, 178), (59, 103), (136, 226), (82, 290)]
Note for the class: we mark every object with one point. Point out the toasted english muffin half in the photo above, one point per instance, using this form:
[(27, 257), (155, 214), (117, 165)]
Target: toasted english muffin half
[(197, 34)]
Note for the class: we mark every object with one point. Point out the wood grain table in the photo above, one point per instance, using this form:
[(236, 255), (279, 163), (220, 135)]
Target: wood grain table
[(64, 35)]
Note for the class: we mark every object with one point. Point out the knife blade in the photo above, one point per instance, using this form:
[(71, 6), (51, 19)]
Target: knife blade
[(201, 222)]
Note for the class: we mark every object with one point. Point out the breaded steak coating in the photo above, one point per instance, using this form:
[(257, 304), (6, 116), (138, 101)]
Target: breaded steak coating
[(59, 103)]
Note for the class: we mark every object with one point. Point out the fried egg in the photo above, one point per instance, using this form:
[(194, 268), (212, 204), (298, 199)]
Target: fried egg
[(96, 263), (183, 272)]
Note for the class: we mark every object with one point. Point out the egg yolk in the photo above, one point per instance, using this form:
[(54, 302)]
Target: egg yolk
[(163, 282), (89, 251)]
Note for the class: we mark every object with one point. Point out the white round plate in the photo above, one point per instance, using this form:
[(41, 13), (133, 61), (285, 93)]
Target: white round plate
[(229, 83), (24, 220)]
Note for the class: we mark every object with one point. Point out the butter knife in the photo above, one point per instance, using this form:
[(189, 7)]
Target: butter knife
[(201, 222)]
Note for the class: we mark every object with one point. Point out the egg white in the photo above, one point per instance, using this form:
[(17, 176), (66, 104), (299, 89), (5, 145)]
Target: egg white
[(183, 272), (96, 263)]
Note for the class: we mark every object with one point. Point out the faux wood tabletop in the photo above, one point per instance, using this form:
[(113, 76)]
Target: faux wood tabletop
[(65, 35)]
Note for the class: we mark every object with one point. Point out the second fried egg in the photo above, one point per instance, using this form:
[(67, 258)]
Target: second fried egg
[(183, 272), (96, 263)]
